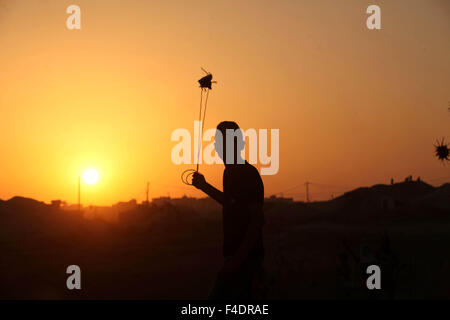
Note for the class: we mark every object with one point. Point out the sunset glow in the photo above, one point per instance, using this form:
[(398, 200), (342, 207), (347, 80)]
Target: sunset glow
[(354, 107), (90, 176)]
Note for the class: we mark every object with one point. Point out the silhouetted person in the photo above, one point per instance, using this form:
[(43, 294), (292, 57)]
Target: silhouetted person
[(365, 259), (345, 275), (389, 266), (242, 200)]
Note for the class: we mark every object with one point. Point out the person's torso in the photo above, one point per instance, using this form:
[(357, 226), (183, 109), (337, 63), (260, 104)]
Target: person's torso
[(243, 188)]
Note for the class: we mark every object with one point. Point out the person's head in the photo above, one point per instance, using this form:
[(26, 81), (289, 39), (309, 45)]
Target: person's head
[(229, 142)]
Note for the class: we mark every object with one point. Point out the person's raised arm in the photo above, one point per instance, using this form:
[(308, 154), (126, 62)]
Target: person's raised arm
[(198, 181)]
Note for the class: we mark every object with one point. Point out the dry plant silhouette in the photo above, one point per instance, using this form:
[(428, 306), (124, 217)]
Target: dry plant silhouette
[(441, 149)]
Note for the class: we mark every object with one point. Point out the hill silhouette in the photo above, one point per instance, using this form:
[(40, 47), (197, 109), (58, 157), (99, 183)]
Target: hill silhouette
[(170, 248), (17, 204), (401, 200)]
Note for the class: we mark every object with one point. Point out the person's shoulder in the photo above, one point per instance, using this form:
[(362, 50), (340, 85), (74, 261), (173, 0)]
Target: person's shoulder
[(252, 170)]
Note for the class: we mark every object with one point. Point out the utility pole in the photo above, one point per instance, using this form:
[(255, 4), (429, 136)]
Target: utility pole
[(79, 193), (307, 190), (148, 184)]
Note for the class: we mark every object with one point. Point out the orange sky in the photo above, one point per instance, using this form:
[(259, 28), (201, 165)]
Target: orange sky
[(354, 107)]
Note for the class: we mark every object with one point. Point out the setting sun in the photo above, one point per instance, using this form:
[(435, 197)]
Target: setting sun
[(90, 176)]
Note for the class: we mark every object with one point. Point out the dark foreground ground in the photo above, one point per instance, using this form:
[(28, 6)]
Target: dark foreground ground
[(172, 251)]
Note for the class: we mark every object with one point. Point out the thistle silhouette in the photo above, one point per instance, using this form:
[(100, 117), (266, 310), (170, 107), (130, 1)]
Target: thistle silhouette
[(441, 150)]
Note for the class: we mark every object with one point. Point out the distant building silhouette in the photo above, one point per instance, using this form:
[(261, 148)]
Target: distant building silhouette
[(281, 199), (56, 204), (409, 179)]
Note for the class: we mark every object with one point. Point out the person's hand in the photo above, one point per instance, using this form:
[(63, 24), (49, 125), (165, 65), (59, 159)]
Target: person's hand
[(229, 269), (198, 180)]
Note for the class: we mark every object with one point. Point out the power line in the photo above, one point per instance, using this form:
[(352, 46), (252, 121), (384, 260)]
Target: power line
[(313, 184)]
